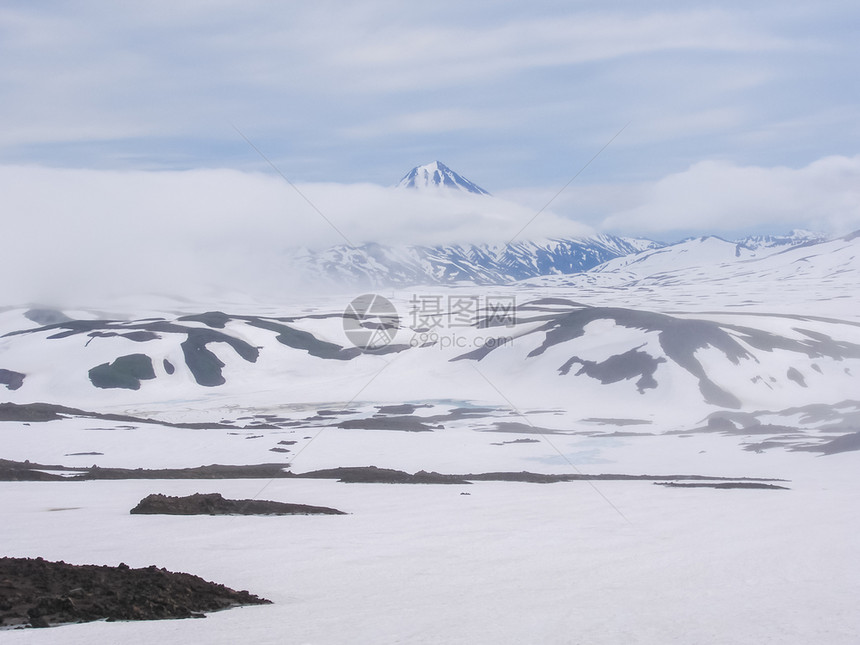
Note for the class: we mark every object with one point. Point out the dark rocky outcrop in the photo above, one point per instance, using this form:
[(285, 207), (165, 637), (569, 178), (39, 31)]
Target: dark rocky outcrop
[(126, 372), (40, 412), (42, 316), (401, 423), (624, 366), (38, 593), (16, 470), (26, 471), (374, 475), (11, 379), (723, 485), (215, 504)]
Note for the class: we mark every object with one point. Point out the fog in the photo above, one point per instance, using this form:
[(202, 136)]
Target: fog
[(73, 236)]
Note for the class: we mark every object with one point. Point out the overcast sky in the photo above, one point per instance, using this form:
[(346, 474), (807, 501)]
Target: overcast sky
[(740, 116)]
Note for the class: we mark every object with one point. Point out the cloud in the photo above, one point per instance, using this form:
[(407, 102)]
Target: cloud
[(91, 234), (426, 122), (718, 196), (442, 55), (156, 84)]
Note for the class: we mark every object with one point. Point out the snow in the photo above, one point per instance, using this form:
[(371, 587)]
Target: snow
[(437, 177), (821, 279), (508, 563), (486, 263), (591, 562)]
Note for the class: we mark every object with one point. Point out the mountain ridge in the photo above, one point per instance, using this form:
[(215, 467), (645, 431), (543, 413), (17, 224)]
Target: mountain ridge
[(379, 265), (484, 264)]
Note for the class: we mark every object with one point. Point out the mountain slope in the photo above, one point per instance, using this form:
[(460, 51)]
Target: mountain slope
[(713, 259), (484, 264), (709, 274), (709, 250), (795, 237), (437, 176), (605, 361)]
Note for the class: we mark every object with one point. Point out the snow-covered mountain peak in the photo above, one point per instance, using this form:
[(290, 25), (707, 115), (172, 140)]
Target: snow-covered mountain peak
[(435, 176)]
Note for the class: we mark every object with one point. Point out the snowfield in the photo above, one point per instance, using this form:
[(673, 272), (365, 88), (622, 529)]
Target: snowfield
[(507, 563), (738, 364)]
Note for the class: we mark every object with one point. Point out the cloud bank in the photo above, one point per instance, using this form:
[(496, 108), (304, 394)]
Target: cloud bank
[(718, 196), (72, 234), (92, 234)]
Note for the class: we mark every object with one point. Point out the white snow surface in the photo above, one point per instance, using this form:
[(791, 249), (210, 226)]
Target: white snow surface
[(575, 562), (437, 177), (509, 563)]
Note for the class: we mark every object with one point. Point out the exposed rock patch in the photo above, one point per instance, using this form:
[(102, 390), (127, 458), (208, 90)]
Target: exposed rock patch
[(26, 471), (11, 379), (37, 593), (505, 443), (757, 485), (46, 316), (403, 408), (401, 423), (126, 372), (795, 375), (374, 475), (621, 367), (40, 412), (16, 470), (215, 504)]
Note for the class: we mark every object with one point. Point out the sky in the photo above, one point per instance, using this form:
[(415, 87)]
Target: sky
[(133, 120)]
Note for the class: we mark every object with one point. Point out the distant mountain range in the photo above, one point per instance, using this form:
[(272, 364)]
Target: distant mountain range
[(704, 325), (378, 265), (793, 238), (710, 250), (690, 328), (709, 273)]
